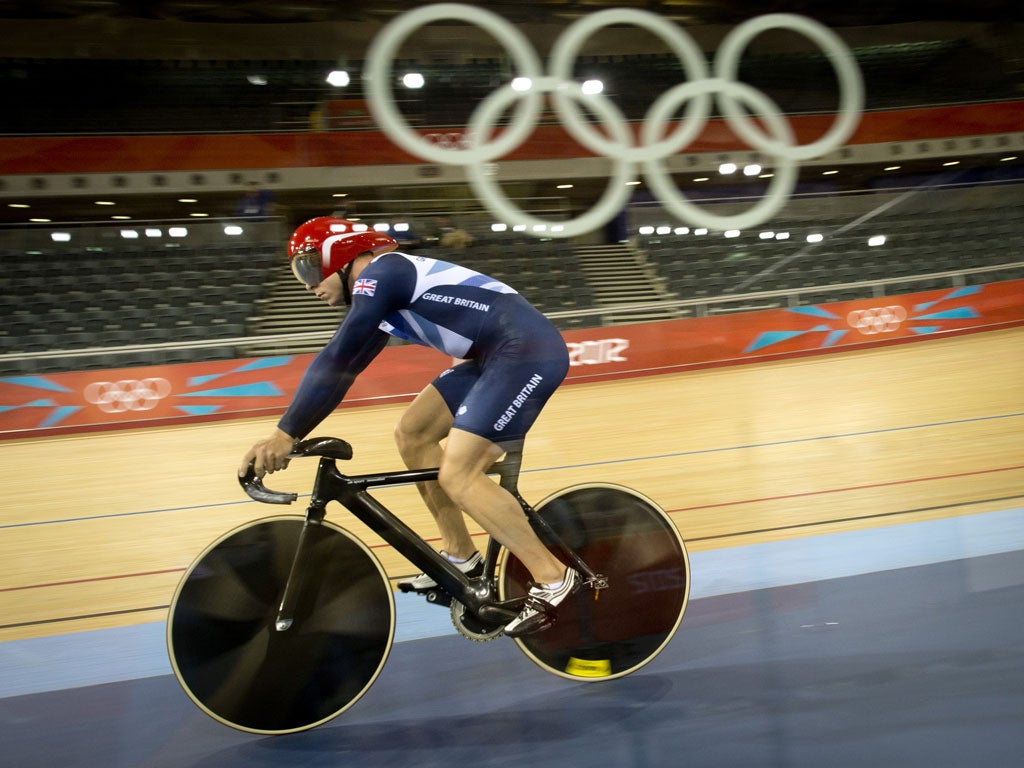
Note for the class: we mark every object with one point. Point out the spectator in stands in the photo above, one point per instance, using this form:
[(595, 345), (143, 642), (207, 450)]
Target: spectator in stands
[(255, 202), (450, 236)]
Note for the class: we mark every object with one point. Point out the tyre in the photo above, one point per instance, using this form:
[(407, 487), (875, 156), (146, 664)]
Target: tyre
[(608, 633), (233, 662)]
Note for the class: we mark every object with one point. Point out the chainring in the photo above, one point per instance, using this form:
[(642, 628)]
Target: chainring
[(469, 626)]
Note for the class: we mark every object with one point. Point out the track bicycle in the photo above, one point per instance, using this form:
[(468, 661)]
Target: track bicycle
[(285, 622)]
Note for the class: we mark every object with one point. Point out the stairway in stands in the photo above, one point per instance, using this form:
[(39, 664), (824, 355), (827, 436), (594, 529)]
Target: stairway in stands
[(618, 276), (288, 308)]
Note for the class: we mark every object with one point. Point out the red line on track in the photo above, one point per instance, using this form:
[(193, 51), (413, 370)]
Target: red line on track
[(845, 490), (670, 511), (94, 578)]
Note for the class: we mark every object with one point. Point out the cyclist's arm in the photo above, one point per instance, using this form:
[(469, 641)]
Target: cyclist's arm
[(357, 342), (330, 375)]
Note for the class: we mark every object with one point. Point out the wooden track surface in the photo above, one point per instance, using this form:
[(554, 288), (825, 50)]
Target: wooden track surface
[(97, 528)]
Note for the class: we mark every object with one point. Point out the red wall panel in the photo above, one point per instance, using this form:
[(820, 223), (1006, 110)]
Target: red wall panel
[(89, 400)]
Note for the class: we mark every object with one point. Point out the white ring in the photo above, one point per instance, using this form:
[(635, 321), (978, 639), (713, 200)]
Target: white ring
[(851, 84), (381, 56), (780, 187), (616, 194), (565, 52)]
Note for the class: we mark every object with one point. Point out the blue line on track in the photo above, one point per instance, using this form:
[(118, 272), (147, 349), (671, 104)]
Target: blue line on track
[(94, 657)]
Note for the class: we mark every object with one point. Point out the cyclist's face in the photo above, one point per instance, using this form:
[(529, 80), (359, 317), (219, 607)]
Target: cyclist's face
[(330, 291)]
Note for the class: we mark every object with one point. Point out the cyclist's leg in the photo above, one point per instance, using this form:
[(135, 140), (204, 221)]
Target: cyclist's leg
[(513, 383), (463, 477), (418, 434)]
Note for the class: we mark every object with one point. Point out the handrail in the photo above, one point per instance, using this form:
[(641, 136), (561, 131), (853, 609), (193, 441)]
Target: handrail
[(604, 310)]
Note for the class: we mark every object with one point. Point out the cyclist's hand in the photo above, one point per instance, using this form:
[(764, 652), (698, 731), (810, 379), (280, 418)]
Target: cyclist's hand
[(268, 455)]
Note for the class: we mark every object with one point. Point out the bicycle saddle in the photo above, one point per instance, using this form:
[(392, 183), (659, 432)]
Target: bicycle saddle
[(331, 447)]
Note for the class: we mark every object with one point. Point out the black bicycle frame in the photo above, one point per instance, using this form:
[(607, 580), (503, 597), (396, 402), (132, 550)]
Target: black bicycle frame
[(352, 492)]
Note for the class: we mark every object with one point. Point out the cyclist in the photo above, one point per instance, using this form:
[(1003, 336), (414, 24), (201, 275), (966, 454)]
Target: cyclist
[(513, 360)]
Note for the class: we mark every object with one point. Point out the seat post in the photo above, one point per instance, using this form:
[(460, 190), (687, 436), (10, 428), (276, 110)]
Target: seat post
[(508, 468)]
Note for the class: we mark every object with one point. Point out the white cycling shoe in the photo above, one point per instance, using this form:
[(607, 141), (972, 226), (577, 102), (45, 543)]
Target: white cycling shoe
[(472, 567), (541, 601)]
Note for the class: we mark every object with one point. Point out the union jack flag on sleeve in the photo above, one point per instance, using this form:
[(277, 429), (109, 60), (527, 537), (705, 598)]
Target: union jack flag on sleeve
[(364, 287)]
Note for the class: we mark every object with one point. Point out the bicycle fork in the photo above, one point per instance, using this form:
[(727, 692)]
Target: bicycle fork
[(293, 586)]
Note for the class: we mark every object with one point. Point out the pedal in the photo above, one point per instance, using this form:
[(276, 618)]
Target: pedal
[(433, 595), (597, 583)]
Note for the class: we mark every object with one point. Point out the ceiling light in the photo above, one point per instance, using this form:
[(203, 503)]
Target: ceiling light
[(894, 167), (17, 205), (339, 78), (233, 230), (950, 162), (829, 173), (876, 240), (727, 168), (815, 237), (413, 80), (60, 237), (105, 202), (199, 215), (187, 200)]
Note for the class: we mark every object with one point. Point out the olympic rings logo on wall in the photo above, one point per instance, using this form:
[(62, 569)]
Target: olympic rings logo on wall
[(877, 319), (733, 98), (127, 394), (452, 140)]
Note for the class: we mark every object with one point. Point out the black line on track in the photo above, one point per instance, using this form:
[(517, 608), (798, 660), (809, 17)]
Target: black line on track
[(84, 616), (878, 516)]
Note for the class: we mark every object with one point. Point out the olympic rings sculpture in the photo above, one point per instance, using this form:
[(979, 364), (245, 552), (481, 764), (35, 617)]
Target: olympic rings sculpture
[(733, 98)]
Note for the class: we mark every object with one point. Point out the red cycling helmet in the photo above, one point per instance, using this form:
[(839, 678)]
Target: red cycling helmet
[(325, 245)]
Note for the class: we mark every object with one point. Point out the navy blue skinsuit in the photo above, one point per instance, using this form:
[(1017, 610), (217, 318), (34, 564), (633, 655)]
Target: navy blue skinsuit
[(514, 357)]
